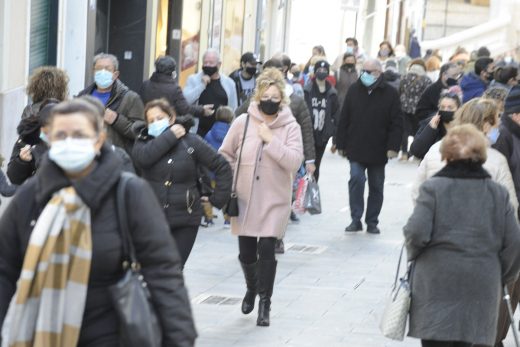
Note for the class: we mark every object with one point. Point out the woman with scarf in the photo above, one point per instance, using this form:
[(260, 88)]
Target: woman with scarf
[(61, 241)]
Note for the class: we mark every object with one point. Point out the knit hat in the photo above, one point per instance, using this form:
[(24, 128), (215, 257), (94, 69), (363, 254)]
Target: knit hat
[(391, 65), (320, 64), (512, 103)]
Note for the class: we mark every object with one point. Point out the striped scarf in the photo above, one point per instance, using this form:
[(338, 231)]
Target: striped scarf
[(47, 308)]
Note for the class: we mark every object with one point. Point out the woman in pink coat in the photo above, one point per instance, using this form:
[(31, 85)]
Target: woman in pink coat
[(271, 154)]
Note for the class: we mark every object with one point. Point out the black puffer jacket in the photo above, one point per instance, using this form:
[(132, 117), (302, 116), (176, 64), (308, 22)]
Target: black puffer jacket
[(164, 86), (154, 245), (129, 108), (170, 166)]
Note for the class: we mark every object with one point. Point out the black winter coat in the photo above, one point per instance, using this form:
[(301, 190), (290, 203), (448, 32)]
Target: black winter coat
[(426, 137), (321, 137), (164, 86), (129, 108), (170, 166), (370, 123), (154, 245), (428, 104)]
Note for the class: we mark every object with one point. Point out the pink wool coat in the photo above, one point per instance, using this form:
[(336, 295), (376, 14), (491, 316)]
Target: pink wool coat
[(264, 184)]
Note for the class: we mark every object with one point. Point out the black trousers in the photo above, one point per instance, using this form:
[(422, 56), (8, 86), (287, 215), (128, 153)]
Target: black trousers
[(185, 239), (430, 343), (410, 127), (320, 150), (252, 248)]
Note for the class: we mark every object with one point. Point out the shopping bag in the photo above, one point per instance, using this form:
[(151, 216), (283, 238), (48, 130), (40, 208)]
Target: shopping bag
[(395, 316), (298, 205), (312, 202)]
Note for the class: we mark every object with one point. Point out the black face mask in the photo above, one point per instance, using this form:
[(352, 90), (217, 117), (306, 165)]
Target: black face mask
[(296, 74), (452, 82), (269, 107), (210, 70), (446, 116), (322, 75), (349, 66), (489, 77), (251, 70)]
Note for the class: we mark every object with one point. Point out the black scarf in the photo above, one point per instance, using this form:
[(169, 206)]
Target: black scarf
[(463, 169)]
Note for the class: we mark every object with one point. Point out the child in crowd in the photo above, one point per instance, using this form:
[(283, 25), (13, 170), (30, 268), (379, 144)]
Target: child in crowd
[(224, 116)]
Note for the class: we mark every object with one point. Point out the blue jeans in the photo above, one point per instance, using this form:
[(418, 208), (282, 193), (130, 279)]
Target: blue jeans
[(356, 189)]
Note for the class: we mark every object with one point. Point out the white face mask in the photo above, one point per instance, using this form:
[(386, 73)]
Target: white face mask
[(72, 155)]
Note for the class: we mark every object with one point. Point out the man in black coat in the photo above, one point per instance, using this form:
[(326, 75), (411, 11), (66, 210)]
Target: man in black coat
[(368, 134), (428, 104), (162, 84)]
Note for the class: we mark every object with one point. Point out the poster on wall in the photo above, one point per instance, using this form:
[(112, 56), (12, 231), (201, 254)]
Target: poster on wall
[(216, 29), (190, 52)]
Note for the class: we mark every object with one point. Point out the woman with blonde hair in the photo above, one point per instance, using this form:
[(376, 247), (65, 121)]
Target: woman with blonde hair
[(483, 114), (264, 146), (46, 82), (462, 221)]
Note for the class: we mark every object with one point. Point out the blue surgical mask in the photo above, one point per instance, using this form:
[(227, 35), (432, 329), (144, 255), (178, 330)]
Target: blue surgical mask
[(103, 78), (72, 155), (350, 50), (493, 135), (367, 79), (158, 127), (44, 137)]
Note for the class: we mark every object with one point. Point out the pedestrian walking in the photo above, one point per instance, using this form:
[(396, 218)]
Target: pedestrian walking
[(46, 82), (369, 133), (463, 237), (433, 67), (351, 48), (346, 76), (169, 157), (475, 83), (505, 77), (412, 86), (483, 114), (265, 148), (245, 77), (508, 144), (163, 84), (391, 73), (123, 107), (210, 87), (224, 116), (434, 128), (386, 51), (428, 104), (322, 100), (60, 235)]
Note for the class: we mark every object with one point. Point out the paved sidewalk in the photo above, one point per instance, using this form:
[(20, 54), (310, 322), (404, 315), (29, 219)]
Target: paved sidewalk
[(330, 293)]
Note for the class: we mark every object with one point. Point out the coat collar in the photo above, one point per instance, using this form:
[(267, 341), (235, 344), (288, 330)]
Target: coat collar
[(510, 125), (92, 189), (463, 169), (285, 115), (162, 78)]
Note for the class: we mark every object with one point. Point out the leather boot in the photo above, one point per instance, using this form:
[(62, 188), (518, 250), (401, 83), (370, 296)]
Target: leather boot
[(249, 270), (266, 275)]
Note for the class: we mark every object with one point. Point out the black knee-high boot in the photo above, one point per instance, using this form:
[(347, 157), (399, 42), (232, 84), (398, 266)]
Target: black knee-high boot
[(249, 270), (266, 275)]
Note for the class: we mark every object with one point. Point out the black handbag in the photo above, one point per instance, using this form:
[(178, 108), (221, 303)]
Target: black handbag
[(131, 297), (231, 208)]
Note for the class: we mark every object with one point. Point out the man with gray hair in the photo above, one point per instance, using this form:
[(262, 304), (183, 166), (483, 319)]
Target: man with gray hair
[(369, 133), (123, 107), (209, 87)]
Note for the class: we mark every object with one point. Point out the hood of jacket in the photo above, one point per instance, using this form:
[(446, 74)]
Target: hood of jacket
[(162, 78), (391, 76), (92, 189), (471, 81), (284, 117), (29, 130), (219, 130), (511, 125)]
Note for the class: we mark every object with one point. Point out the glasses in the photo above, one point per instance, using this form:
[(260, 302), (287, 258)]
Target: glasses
[(371, 72)]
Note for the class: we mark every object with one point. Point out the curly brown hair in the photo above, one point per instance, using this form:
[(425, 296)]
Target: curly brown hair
[(48, 82)]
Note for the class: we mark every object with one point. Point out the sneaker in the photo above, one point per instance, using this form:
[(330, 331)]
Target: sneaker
[(373, 229), (294, 218), (227, 224), (354, 226), (207, 223), (279, 247)]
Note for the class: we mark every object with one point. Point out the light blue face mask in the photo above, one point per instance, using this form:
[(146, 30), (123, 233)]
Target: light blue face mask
[(493, 135), (103, 78), (350, 50), (367, 79), (158, 127), (44, 137)]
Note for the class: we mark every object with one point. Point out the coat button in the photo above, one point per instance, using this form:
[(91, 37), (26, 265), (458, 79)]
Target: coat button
[(166, 205), (168, 183), (257, 178), (33, 222), (170, 161)]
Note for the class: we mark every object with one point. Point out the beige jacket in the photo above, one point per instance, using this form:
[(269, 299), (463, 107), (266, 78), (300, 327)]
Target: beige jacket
[(496, 165)]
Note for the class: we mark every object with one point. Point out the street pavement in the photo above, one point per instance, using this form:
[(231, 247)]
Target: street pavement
[(330, 287)]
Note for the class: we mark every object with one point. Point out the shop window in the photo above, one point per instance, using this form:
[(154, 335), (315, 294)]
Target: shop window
[(233, 33), (44, 33)]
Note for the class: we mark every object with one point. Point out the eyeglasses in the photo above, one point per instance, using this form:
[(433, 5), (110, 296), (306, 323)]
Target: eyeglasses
[(371, 72)]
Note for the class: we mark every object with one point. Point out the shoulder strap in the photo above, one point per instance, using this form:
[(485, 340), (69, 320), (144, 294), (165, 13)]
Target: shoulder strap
[(240, 155), (128, 246)]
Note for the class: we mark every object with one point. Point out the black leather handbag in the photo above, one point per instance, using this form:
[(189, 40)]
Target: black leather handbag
[(231, 208), (131, 297)]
